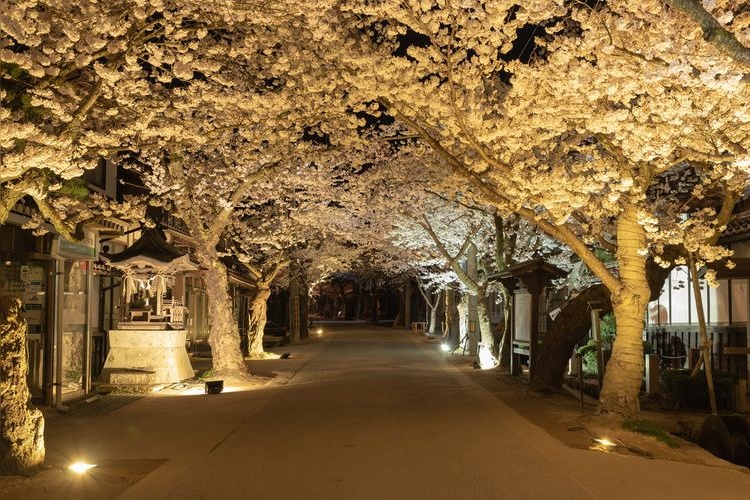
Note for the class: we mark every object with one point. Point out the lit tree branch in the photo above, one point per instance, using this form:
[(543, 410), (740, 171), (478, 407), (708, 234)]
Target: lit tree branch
[(713, 31)]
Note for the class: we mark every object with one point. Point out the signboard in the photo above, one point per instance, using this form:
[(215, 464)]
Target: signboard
[(79, 250), (522, 316), (26, 282)]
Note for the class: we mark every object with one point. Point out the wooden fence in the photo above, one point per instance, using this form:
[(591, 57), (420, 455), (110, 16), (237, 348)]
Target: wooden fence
[(676, 345)]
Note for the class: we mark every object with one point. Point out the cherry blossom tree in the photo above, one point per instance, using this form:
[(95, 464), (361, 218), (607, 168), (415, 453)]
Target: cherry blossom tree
[(263, 276), (307, 225), (573, 138), (70, 82), (576, 116), (214, 193), (458, 235), (225, 122)]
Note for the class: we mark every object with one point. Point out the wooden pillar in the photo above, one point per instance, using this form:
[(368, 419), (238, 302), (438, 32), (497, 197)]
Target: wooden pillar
[(534, 335), (515, 358), (652, 374), (534, 285)]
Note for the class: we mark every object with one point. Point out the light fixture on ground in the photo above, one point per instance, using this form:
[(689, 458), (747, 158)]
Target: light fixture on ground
[(487, 360), (445, 347), (603, 444), (214, 386), (80, 467), (319, 331)]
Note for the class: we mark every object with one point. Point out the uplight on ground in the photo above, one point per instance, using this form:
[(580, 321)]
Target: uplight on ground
[(200, 390), (486, 360), (603, 444), (80, 467)]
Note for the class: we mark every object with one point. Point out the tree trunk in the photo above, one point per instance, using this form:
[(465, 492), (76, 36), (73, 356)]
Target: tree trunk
[(485, 324), (21, 425), (358, 311), (407, 304), (257, 322), (622, 380), (294, 315), (573, 324), (434, 308), (463, 321), (450, 315), (503, 355), (501, 261), (224, 338), (570, 326), (304, 309), (474, 298), (400, 314), (486, 351)]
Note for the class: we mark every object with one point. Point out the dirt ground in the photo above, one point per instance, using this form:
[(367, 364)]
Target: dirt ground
[(561, 417)]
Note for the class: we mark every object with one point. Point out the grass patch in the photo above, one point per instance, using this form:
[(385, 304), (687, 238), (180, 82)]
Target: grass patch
[(649, 429)]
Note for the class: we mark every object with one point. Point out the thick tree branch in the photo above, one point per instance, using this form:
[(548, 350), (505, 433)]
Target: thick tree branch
[(452, 261), (82, 111), (222, 220), (725, 213), (51, 215), (561, 233), (462, 123), (713, 31)]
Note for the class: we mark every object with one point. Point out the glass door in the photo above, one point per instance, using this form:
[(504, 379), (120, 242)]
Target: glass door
[(74, 322)]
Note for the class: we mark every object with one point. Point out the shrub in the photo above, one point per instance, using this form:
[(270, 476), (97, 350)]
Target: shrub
[(608, 328), (588, 352), (692, 392)]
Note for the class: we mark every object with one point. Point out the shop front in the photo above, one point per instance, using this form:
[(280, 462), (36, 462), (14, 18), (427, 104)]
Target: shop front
[(72, 319), (27, 273)]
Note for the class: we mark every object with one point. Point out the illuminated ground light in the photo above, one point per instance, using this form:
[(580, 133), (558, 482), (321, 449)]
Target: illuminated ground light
[(603, 444), (199, 390), (319, 331), (486, 360), (80, 467), (445, 347)]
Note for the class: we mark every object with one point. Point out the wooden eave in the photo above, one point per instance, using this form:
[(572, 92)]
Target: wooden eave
[(740, 270)]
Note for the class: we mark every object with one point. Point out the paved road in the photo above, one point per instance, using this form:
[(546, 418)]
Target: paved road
[(366, 413)]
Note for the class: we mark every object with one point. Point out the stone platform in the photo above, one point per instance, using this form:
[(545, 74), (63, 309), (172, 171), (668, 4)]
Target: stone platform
[(159, 355)]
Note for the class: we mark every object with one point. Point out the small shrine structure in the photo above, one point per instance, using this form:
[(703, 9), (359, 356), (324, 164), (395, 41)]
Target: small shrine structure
[(148, 347), (528, 283)]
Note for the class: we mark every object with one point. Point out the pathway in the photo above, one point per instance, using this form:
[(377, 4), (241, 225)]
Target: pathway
[(363, 413)]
